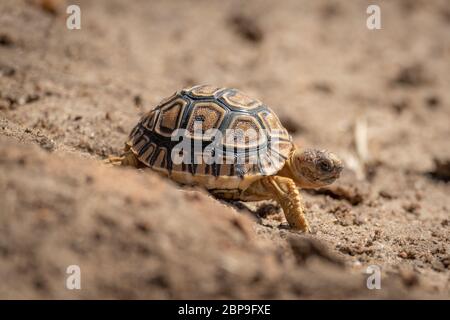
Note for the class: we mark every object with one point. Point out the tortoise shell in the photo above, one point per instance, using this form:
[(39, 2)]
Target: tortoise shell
[(248, 158)]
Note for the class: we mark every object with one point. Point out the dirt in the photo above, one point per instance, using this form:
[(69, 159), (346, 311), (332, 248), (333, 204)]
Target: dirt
[(68, 99)]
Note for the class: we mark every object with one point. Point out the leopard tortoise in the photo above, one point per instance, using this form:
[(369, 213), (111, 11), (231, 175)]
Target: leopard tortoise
[(244, 167)]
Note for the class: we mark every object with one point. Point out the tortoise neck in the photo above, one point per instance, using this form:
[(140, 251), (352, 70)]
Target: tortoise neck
[(288, 170)]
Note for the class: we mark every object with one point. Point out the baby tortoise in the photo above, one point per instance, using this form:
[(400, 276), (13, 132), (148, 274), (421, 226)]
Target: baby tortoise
[(277, 172)]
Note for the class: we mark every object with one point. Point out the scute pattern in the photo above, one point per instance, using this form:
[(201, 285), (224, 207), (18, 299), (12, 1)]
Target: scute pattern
[(271, 122), (150, 119), (170, 116), (203, 90), (238, 100), (245, 132), (217, 108), (209, 113)]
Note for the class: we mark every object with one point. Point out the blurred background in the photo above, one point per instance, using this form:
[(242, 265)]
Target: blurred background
[(378, 98)]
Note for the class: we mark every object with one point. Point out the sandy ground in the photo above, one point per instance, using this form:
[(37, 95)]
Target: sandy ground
[(68, 98)]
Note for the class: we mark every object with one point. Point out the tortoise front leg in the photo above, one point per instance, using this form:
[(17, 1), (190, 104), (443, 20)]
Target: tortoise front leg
[(286, 193), (127, 159)]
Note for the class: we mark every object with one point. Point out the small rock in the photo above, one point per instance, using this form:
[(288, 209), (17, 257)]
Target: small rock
[(28, 98), (247, 28), (441, 170), (47, 144), (137, 99), (438, 266), (446, 261), (89, 179), (411, 76), (330, 10), (400, 105), (6, 40), (7, 71), (412, 207), (322, 87), (409, 278), (407, 255), (432, 102), (386, 194), (120, 129), (142, 226), (53, 7)]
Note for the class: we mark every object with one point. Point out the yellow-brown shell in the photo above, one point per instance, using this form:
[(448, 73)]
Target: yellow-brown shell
[(216, 108)]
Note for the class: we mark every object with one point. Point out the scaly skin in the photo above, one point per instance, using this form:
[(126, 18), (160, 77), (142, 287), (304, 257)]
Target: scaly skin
[(289, 198)]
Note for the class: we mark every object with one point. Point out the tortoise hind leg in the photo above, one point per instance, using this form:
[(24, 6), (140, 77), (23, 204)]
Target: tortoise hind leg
[(127, 159)]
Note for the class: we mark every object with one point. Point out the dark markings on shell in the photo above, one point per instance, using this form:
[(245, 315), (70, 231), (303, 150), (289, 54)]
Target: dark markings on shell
[(218, 108), (192, 168), (216, 169)]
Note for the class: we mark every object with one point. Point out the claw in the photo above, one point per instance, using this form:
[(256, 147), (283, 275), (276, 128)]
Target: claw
[(115, 161)]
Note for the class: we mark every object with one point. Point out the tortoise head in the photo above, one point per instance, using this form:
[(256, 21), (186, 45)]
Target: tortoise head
[(314, 168)]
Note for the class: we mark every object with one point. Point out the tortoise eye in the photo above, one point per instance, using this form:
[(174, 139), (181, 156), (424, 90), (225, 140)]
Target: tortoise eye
[(325, 166)]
